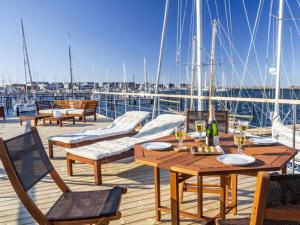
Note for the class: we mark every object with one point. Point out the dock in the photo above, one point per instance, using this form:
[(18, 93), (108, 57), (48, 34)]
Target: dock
[(137, 206)]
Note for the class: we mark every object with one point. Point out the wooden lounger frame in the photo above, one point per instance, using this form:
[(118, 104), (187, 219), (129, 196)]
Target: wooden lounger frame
[(84, 143), (71, 158)]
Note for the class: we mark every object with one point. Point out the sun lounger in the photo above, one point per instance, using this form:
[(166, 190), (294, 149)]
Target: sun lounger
[(109, 151), (122, 126)]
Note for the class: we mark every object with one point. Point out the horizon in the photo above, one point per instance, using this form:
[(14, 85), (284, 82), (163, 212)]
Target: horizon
[(105, 34)]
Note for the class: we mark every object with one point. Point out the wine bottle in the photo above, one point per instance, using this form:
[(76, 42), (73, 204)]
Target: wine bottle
[(212, 132)]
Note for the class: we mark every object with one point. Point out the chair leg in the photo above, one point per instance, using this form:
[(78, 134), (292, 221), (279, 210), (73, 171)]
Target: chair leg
[(234, 181), (181, 191), (97, 172), (83, 119), (70, 166), (50, 146), (95, 117)]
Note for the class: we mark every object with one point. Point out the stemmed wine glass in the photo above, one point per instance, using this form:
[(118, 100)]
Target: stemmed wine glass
[(180, 134), (239, 141), (200, 127)]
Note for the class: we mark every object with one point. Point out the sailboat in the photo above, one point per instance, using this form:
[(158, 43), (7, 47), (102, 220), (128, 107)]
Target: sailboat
[(282, 133)]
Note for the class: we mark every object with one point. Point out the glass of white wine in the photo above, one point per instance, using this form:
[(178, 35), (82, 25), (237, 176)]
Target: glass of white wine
[(180, 134), (239, 141), (243, 125), (200, 127)]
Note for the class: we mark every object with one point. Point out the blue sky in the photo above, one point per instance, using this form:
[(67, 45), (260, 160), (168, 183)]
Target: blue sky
[(106, 33)]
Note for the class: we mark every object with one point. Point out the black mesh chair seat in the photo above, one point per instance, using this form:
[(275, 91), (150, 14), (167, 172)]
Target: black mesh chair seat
[(86, 205)]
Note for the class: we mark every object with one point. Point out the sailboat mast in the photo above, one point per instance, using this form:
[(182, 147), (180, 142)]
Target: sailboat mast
[(199, 44), (193, 73), (278, 57), (212, 62), (26, 58), (162, 43), (145, 74), (70, 65)]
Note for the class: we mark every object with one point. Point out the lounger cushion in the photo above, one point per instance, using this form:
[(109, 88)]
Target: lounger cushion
[(160, 127), (46, 111), (122, 125), (76, 111)]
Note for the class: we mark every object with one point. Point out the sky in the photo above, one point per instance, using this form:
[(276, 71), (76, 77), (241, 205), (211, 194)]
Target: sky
[(105, 34)]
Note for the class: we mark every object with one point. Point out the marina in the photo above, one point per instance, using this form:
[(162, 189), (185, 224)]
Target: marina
[(150, 112)]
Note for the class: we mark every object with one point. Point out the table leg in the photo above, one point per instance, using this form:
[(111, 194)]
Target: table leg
[(284, 169), (234, 178), (174, 192), (60, 123), (21, 122), (157, 193), (222, 196), (35, 122), (73, 121), (200, 196)]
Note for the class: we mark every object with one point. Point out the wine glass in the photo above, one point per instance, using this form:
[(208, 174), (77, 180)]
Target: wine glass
[(180, 134), (243, 125), (239, 141), (200, 127)]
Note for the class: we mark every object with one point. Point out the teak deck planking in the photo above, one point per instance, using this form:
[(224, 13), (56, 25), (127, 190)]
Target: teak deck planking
[(137, 205)]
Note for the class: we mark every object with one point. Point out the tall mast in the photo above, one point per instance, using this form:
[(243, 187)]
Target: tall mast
[(162, 44), (70, 64), (193, 73), (26, 58), (199, 44), (278, 57), (212, 62), (145, 74)]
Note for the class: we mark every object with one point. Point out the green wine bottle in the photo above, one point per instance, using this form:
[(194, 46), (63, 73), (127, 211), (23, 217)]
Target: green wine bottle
[(212, 131)]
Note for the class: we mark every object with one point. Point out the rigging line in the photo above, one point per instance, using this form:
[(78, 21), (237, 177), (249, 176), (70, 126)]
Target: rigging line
[(191, 31), (181, 31), (267, 52), (254, 36), (298, 3), (293, 18), (238, 55), (249, 49)]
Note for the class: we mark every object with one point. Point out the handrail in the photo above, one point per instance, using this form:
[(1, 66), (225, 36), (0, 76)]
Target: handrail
[(215, 98)]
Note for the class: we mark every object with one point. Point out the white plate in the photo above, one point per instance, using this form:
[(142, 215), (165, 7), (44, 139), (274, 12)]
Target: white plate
[(193, 134), (156, 146), (263, 141), (236, 159)]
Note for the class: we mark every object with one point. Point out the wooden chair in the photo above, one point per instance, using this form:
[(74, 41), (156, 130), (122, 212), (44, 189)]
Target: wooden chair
[(276, 202), (26, 163), (43, 105), (222, 118)]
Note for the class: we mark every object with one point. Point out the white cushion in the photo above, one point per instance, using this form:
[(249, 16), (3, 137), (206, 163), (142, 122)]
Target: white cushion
[(122, 125), (46, 111), (162, 126), (76, 111)]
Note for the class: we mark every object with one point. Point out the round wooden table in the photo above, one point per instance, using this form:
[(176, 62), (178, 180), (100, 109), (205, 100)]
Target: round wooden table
[(268, 158)]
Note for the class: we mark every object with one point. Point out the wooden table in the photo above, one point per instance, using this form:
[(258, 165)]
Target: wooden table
[(59, 120), (268, 158), (34, 118)]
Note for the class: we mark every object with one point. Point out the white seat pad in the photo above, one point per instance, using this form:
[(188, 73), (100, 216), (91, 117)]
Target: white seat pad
[(160, 127), (122, 125), (76, 111)]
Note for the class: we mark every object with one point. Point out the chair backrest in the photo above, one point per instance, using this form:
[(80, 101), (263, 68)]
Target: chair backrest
[(43, 105), (26, 163), (222, 118), (62, 104), (91, 106), (28, 158), (276, 200)]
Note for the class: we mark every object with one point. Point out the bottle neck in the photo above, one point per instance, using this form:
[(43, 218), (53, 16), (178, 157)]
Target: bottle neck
[(211, 117)]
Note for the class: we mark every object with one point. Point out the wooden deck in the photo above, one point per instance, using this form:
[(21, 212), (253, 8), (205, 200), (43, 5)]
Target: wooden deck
[(137, 205)]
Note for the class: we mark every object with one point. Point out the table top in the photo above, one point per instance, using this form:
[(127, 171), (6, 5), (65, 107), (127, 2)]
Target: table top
[(268, 158)]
